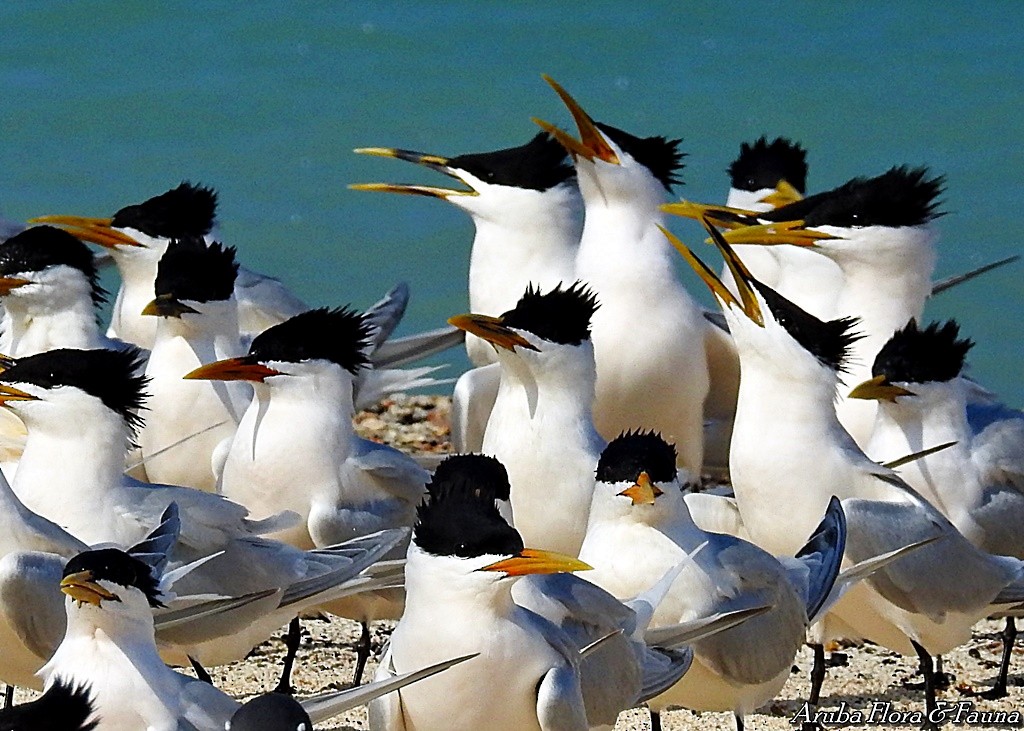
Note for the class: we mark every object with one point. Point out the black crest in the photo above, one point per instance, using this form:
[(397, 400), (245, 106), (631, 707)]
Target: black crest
[(188, 210), (63, 706), (633, 452), (340, 335), (828, 341), (559, 316), (540, 164), (112, 376), (913, 355), (117, 567), (39, 247), (270, 711), (191, 270), (460, 517), (660, 155), (763, 164), (899, 197)]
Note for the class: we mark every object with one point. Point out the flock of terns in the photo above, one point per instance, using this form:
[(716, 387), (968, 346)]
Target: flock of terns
[(178, 487)]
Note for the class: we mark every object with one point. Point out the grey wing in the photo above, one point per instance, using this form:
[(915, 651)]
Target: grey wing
[(385, 314), (560, 701), (997, 448), (409, 348), (204, 706), (394, 472), (31, 600), (970, 578), (374, 384), (263, 301)]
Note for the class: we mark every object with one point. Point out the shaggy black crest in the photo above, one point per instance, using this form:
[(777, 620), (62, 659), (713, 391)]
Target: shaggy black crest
[(828, 341), (484, 475), (898, 197), (763, 164), (191, 270), (559, 316), (188, 210), (460, 517), (39, 247), (660, 155), (340, 336), (117, 567), (633, 452), (63, 706), (270, 711), (540, 164), (912, 355), (112, 376)]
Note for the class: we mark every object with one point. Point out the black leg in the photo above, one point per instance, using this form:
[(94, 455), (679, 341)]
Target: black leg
[(1009, 637), (9, 696), (200, 671), (362, 653), (817, 680), (655, 720), (291, 642), (928, 672), (739, 721)]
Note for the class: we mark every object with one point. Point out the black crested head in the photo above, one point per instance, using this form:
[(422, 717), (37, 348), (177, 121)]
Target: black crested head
[(912, 355), (660, 155), (191, 270), (275, 711), (540, 164), (827, 340), (484, 475), (65, 706), (633, 452), (188, 210), (559, 316), (460, 517), (112, 376), (339, 335), (39, 247), (763, 164), (117, 567), (899, 197)]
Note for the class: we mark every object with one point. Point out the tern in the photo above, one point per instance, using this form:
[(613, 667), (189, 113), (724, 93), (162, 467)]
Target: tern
[(51, 292), (542, 424), (197, 323), (460, 597), (788, 444), (527, 212), (86, 492), (110, 646), (640, 526), (624, 259), (302, 373), (977, 480)]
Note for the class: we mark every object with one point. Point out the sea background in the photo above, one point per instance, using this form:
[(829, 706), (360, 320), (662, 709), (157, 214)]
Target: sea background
[(103, 104)]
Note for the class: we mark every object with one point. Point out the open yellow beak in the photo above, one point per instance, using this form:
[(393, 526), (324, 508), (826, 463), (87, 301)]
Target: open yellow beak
[(723, 216), (10, 393), (643, 492), (784, 195), (592, 143), (534, 561), (434, 162), (879, 389), (84, 590), (8, 284), (747, 303), (93, 230), (232, 369), (776, 234), (491, 329)]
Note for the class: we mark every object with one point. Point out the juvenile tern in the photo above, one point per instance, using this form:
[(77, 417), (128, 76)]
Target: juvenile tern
[(541, 424), (623, 257), (197, 323)]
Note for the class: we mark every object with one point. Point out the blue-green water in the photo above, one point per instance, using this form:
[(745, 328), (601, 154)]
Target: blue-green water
[(107, 103)]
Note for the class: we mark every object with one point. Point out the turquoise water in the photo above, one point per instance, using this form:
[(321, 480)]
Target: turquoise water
[(107, 103)]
